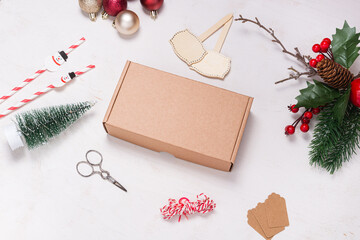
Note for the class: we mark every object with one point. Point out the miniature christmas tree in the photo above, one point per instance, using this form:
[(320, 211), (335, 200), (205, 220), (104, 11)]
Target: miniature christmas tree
[(37, 127)]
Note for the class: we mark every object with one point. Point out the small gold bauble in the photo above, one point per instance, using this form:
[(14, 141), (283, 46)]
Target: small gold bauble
[(91, 7), (127, 22)]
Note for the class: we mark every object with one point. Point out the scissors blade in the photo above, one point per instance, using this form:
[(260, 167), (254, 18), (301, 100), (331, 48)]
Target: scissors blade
[(116, 183), (120, 186)]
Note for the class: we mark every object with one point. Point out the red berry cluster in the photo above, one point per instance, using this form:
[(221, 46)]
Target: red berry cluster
[(325, 52), (304, 118)]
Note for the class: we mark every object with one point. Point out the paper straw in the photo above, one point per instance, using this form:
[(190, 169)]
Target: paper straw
[(23, 84), (84, 70), (37, 73), (74, 46), (39, 93)]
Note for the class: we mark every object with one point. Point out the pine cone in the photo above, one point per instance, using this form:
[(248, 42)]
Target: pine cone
[(334, 74)]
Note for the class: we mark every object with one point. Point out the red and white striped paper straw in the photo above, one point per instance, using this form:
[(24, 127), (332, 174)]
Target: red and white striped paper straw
[(74, 46), (26, 100), (39, 93), (37, 73), (23, 84), (86, 69)]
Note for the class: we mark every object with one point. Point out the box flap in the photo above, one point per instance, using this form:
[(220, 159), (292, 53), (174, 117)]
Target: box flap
[(116, 92), (241, 130)]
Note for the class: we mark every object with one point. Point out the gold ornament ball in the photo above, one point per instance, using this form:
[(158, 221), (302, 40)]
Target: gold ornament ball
[(91, 7), (127, 22)]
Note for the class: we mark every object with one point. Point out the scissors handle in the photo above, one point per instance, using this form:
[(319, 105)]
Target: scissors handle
[(98, 164), (116, 183), (86, 174)]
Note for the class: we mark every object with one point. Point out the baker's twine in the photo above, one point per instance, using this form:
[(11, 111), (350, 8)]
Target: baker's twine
[(203, 204)]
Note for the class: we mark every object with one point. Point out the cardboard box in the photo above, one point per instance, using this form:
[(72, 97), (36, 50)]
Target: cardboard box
[(168, 113)]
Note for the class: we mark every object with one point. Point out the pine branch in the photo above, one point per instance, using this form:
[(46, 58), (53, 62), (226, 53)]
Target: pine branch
[(303, 59), (332, 145)]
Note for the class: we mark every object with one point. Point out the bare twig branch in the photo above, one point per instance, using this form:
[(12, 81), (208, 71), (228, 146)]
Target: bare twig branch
[(357, 76), (270, 31), (301, 58), (295, 75)]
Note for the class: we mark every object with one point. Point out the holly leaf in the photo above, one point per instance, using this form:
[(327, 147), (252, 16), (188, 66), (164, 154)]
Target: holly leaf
[(344, 45), (340, 106), (316, 95)]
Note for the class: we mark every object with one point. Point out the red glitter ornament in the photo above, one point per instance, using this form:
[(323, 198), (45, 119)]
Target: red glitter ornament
[(113, 7), (152, 6)]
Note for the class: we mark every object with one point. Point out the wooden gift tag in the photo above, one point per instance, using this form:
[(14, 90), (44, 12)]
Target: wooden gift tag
[(215, 64), (276, 211), (189, 48)]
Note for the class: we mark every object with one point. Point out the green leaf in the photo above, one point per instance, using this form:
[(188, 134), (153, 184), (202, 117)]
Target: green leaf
[(340, 106), (344, 45), (316, 95)]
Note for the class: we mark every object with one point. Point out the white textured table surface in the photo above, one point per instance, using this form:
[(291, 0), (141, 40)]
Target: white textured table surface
[(42, 196)]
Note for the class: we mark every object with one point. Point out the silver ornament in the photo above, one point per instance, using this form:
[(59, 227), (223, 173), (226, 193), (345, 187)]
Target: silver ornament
[(127, 22), (91, 7)]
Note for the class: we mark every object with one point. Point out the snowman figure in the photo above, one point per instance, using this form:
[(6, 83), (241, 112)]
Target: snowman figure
[(64, 79), (53, 63)]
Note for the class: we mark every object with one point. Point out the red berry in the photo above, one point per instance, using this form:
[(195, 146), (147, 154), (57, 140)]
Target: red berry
[(324, 46), (308, 115), (316, 110), (316, 48), (319, 57), (293, 109), (355, 92), (327, 40), (305, 120), (313, 63), (304, 127), (289, 130)]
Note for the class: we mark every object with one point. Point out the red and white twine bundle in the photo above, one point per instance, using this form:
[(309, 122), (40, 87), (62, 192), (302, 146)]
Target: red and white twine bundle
[(203, 204)]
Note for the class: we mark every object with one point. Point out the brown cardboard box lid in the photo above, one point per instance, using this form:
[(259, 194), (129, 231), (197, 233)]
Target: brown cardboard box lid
[(168, 113)]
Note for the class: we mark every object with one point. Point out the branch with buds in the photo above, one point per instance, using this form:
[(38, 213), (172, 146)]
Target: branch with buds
[(303, 59), (357, 76)]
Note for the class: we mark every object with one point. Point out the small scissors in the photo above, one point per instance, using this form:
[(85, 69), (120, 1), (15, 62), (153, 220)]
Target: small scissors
[(97, 163)]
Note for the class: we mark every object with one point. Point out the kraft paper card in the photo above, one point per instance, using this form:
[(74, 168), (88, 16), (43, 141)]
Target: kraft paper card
[(269, 218), (276, 211), (260, 215), (255, 225)]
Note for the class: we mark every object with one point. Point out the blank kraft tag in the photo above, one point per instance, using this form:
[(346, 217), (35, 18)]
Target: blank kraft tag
[(260, 215), (255, 224), (276, 211)]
